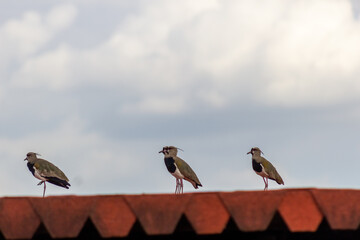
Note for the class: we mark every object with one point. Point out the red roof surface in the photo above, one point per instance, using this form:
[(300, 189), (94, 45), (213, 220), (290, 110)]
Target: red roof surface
[(301, 210)]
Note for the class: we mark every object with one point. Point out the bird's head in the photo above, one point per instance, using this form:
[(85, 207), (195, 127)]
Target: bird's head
[(170, 151), (164, 150), (31, 156), (255, 151)]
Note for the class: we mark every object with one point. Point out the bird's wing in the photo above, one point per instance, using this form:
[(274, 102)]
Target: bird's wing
[(187, 171), (47, 169), (271, 171)]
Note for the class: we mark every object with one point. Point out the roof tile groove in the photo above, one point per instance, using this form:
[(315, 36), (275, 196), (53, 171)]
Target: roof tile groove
[(158, 214), (112, 216), (18, 219), (206, 213), (300, 212), (64, 216), (340, 207), (252, 211)]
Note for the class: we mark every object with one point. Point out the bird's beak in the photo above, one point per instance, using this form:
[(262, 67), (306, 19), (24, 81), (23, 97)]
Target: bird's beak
[(249, 152), (25, 159), (162, 151)]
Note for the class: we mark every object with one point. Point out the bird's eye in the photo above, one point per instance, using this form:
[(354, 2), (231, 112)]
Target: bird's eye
[(28, 155)]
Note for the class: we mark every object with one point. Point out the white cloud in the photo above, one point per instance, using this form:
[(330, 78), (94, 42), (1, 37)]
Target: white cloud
[(19, 38), (50, 69), (314, 56), (165, 58), (227, 38), (213, 98), (165, 105), (61, 17), (86, 158), (301, 53)]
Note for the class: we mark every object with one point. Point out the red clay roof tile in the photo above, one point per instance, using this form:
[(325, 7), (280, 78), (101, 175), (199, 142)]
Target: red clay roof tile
[(18, 219), (64, 216), (112, 216), (341, 207), (158, 214), (206, 213), (252, 211), (300, 212)]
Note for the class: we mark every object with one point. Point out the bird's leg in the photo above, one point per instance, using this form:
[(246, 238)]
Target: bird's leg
[(181, 186), (177, 186), (265, 184), (179, 189), (44, 189), (44, 186)]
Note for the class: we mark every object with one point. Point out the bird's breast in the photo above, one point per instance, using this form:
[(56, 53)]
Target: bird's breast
[(170, 164), (256, 166), (35, 172), (177, 173), (31, 168), (38, 176), (172, 168), (259, 169)]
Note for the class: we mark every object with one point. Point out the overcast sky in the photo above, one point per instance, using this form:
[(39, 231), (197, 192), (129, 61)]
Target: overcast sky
[(99, 87)]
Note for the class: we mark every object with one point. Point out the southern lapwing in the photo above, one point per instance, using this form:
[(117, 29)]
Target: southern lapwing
[(179, 169), (46, 171), (264, 168)]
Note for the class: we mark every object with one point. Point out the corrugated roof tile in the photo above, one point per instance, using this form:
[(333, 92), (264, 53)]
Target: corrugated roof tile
[(158, 214), (112, 216), (63, 216), (252, 211), (18, 219), (206, 213), (300, 212), (340, 207)]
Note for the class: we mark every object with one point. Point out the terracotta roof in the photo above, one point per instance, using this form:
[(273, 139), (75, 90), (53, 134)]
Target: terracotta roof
[(204, 213)]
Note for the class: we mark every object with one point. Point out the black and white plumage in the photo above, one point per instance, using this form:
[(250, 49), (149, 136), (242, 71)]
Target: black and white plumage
[(179, 169), (46, 171), (264, 168)]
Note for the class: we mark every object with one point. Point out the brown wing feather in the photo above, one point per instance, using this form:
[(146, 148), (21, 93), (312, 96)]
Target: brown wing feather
[(271, 171), (188, 173), (47, 169)]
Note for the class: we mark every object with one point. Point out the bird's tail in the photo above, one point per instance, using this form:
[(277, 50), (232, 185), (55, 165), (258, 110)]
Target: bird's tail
[(279, 179), (194, 183), (58, 182)]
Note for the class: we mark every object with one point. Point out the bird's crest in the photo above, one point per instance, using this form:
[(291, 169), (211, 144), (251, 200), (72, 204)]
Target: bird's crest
[(175, 147)]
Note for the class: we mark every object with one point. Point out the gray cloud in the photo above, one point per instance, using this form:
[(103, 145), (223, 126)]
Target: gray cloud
[(100, 87)]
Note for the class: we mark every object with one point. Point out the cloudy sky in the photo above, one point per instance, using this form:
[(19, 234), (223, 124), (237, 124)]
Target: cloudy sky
[(99, 87)]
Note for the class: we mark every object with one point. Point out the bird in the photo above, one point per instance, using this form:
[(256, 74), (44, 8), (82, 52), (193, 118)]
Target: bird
[(179, 169), (46, 171), (264, 168)]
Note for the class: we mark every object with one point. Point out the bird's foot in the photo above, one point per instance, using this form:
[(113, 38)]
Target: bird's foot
[(40, 183)]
